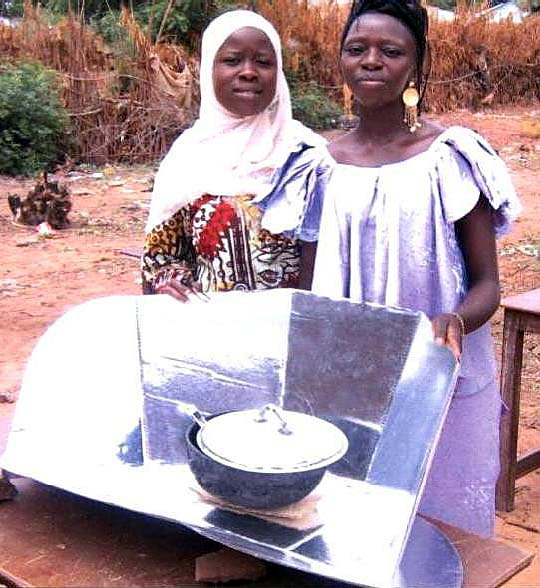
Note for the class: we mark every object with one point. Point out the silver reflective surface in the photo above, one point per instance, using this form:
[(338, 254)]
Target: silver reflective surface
[(373, 371)]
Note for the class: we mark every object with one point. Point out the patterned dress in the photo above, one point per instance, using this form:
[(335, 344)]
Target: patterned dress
[(218, 241)]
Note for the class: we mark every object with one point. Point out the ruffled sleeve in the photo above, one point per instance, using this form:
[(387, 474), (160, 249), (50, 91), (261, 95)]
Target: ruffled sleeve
[(293, 206), (468, 166)]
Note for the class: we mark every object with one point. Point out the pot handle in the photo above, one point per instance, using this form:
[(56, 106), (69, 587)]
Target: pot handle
[(184, 408), (284, 428), (192, 411)]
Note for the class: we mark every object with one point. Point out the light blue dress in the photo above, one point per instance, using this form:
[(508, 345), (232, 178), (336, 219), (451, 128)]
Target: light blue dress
[(388, 236)]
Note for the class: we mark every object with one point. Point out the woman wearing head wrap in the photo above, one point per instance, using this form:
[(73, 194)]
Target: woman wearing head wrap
[(239, 192), (410, 219)]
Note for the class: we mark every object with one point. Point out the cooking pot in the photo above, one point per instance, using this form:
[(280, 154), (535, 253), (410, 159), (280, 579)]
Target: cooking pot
[(262, 458)]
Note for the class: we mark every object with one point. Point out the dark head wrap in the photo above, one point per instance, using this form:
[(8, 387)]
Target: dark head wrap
[(412, 15)]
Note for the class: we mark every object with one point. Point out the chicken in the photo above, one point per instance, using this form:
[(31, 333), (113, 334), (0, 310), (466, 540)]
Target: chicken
[(47, 202)]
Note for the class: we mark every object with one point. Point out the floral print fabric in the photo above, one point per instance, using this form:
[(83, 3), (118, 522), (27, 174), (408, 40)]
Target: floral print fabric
[(218, 242)]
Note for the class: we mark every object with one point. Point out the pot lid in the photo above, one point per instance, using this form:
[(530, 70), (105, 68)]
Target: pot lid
[(272, 440)]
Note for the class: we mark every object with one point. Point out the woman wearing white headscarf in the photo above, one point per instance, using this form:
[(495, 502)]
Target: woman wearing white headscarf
[(240, 192)]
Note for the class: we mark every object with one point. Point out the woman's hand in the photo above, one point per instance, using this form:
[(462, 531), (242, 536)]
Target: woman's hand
[(182, 287), (476, 236), (448, 330)]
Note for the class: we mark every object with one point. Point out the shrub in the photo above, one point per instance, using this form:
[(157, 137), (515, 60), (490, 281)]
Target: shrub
[(182, 22), (33, 123), (109, 27), (313, 107)]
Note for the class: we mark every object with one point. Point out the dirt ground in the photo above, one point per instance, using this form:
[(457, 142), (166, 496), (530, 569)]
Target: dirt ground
[(40, 278)]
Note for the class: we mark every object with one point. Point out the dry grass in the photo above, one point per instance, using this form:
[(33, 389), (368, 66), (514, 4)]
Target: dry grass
[(474, 62), (123, 108), (310, 35)]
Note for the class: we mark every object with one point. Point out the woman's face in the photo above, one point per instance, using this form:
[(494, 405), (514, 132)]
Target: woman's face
[(378, 59), (245, 72)]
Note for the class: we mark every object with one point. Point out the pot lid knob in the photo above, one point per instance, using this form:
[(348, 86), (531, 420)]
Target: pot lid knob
[(284, 429)]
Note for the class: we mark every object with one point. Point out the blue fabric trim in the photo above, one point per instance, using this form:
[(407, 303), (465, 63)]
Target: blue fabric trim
[(304, 175)]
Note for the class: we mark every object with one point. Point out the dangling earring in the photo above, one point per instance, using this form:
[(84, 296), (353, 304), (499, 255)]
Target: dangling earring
[(411, 98)]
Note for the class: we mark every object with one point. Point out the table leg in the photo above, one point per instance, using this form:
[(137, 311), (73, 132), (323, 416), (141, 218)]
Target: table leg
[(512, 357)]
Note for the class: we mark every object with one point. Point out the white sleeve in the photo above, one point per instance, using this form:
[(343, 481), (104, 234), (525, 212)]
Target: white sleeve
[(469, 166), (332, 264), (458, 189)]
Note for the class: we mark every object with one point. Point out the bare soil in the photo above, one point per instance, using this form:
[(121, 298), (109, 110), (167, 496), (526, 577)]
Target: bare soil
[(41, 278)]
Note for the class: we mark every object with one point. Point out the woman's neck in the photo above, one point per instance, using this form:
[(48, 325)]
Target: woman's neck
[(381, 127), (382, 138)]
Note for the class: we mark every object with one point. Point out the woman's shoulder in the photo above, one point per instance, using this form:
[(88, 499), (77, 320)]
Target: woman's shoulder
[(438, 139), (465, 140), (465, 158), (349, 148), (427, 134), (463, 152), (438, 142)]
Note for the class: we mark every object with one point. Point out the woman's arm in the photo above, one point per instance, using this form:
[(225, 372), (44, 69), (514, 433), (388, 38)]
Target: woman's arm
[(308, 251), (476, 236), (169, 259)]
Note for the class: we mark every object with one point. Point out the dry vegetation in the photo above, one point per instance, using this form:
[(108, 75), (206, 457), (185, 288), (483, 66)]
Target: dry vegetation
[(473, 61), (129, 106), (126, 107)]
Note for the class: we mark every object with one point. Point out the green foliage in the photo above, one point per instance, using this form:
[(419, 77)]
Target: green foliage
[(33, 123), (184, 22), (109, 27), (88, 8), (181, 20), (313, 107), (444, 4), (11, 8)]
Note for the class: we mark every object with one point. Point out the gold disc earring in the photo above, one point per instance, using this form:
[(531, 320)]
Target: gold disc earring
[(411, 98)]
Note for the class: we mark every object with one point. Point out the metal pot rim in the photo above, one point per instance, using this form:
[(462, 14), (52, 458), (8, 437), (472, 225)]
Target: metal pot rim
[(241, 440)]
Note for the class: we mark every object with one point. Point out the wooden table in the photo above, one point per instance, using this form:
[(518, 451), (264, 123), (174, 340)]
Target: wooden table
[(51, 538), (521, 315)]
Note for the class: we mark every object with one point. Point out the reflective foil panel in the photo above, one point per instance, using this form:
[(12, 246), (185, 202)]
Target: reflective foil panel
[(98, 415)]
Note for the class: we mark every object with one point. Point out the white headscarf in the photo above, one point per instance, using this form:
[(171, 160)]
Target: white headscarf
[(223, 154)]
